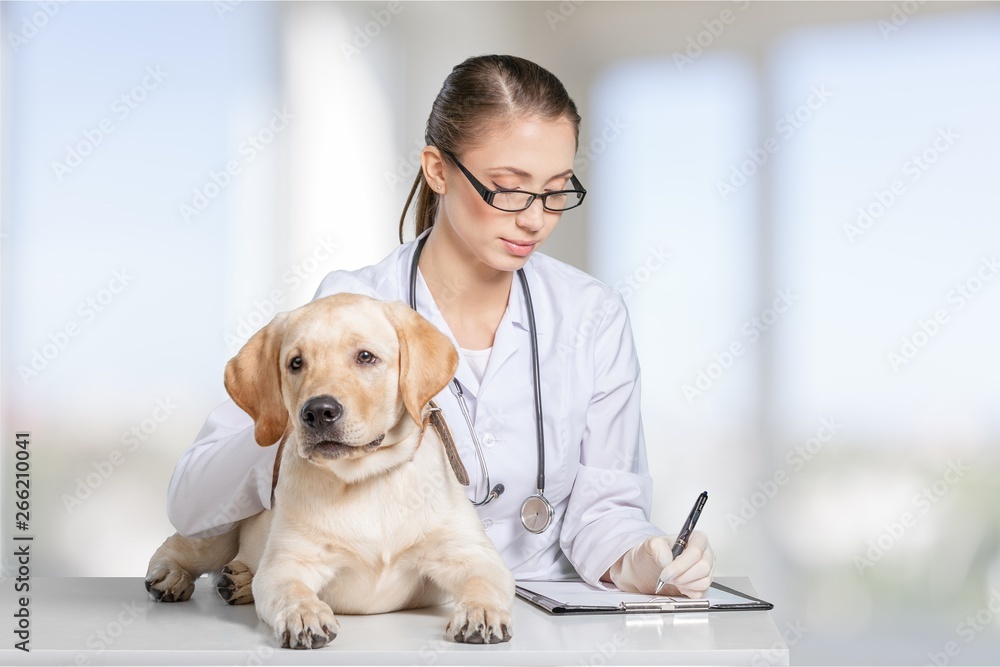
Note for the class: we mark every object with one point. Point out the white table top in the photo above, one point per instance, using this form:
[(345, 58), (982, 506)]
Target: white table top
[(113, 621)]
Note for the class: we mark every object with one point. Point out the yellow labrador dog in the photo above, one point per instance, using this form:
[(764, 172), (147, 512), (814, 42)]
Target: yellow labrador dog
[(368, 513)]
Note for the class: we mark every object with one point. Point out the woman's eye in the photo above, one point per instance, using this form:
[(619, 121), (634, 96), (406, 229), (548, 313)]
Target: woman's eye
[(295, 364), (366, 357)]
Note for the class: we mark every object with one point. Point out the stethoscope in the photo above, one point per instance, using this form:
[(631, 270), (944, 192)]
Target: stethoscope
[(536, 512)]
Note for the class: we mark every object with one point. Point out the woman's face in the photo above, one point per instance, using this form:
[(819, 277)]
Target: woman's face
[(534, 155)]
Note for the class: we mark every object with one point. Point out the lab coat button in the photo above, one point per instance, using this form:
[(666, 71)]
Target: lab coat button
[(487, 524), (489, 440)]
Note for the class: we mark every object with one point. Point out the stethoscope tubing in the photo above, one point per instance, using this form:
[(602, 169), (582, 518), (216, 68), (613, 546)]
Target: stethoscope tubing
[(539, 424)]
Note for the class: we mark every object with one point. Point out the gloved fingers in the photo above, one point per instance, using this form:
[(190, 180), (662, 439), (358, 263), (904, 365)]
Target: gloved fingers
[(696, 589), (700, 570), (697, 551), (642, 564), (658, 550)]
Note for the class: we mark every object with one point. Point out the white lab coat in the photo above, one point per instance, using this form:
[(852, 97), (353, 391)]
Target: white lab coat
[(596, 474)]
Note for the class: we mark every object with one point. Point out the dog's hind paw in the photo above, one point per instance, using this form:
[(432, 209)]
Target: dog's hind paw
[(169, 583), (310, 624), (479, 624), (235, 583)]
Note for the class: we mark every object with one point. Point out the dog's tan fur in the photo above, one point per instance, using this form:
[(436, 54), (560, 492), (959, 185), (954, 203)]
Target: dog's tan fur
[(356, 527)]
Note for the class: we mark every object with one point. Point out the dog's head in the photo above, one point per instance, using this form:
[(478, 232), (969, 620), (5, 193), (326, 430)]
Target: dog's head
[(341, 372)]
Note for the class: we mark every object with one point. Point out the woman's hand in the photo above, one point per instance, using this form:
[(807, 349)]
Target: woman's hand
[(690, 574)]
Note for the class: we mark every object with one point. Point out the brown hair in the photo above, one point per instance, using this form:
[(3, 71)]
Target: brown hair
[(482, 95)]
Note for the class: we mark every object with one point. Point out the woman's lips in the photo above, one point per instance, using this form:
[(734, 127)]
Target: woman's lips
[(520, 249)]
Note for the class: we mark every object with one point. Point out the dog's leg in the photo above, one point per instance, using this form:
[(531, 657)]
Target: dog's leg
[(285, 593), (235, 583), (483, 588), (180, 560)]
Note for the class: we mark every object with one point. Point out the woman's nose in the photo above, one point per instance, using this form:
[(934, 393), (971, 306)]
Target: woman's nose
[(533, 217)]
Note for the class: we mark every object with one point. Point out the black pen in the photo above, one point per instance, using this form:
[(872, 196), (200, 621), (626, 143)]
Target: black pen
[(685, 533)]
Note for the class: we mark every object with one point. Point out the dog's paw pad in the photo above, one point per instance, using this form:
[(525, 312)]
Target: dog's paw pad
[(169, 583), (309, 625), (235, 583), (479, 624)]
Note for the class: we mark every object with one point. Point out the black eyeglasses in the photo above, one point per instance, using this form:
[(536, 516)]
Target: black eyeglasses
[(513, 201)]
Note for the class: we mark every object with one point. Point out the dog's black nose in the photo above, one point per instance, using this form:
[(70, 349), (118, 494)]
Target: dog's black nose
[(321, 411)]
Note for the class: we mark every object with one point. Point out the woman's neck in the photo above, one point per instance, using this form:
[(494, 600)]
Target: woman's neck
[(471, 296)]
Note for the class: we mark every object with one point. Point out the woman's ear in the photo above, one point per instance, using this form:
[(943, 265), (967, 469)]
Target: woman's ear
[(427, 358), (253, 379), (432, 164)]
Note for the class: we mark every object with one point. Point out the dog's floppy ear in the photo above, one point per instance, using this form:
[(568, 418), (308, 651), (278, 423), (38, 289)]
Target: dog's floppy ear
[(253, 380), (427, 358)]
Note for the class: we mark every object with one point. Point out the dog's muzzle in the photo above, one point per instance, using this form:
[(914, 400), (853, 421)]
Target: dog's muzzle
[(320, 416)]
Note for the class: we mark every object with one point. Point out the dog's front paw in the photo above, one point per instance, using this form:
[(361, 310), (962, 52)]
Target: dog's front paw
[(308, 625), (235, 583), (479, 624), (169, 582)]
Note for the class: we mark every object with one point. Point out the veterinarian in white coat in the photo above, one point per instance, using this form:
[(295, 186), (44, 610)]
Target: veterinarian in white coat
[(501, 127)]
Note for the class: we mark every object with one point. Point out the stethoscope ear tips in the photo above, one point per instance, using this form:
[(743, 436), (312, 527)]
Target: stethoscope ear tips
[(498, 490)]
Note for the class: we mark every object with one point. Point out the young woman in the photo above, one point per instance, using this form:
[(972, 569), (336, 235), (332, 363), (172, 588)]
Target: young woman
[(545, 403)]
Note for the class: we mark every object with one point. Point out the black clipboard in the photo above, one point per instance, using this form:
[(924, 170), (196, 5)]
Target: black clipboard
[(732, 600)]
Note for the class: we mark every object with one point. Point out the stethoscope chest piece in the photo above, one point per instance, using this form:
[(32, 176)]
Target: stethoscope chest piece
[(536, 513)]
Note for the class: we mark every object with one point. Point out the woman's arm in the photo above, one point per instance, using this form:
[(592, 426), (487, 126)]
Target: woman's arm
[(223, 477), (609, 506), (607, 534)]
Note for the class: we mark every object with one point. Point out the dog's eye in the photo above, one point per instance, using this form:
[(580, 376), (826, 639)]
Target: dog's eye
[(366, 357), (295, 364)]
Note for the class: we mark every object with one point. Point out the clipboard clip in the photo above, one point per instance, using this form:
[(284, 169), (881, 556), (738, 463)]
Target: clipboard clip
[(664, 604)]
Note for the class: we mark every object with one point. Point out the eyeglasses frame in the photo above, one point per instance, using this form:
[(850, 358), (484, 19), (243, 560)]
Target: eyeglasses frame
[(488, 195)]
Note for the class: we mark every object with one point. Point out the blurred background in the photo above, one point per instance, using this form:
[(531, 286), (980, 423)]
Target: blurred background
[(820, 349)]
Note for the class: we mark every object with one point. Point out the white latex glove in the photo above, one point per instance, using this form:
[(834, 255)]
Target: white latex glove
[(691, 574)]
